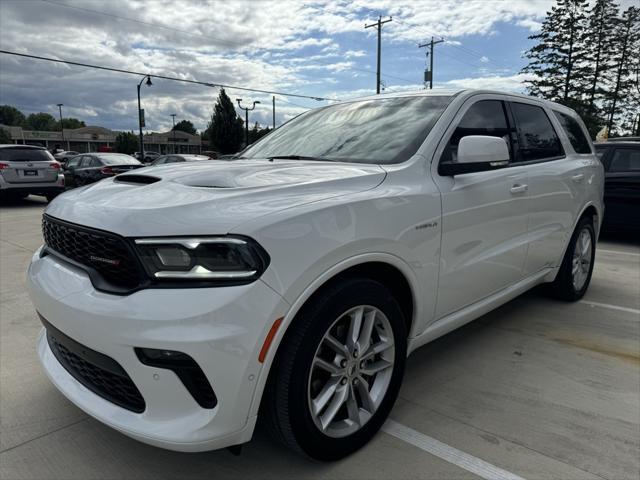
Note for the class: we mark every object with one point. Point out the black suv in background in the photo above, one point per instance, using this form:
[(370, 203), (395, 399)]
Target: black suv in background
[(621, 160), (91, 167)]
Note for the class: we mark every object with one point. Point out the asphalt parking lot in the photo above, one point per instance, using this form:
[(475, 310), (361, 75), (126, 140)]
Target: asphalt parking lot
[(536, 389)]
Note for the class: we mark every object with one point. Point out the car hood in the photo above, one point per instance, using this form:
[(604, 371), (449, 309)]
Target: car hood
[(208, 197)]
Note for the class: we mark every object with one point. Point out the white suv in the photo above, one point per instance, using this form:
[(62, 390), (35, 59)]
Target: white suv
[(183, 302)]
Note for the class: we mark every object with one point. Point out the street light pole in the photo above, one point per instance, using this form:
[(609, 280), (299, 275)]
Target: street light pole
[(140, 119), (61, 124), (246, 119), (173, 132)]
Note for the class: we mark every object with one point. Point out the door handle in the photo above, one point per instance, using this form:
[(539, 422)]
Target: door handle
[(517, 188), (578, 178)]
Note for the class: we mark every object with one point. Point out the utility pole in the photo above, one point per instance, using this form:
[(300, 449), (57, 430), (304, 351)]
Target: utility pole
[(274, 112), (428, 74), (61, 124), (246, 119), (173, 132), (141, 115), (378, 24)]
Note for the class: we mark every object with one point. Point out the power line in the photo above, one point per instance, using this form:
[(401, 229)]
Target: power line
[(164, 77), (430, 55)]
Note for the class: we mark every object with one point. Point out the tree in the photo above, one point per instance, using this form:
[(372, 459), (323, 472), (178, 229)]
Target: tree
[(4, 136), (256, 133), (126, 142), (41, 121), (557, 60), (11, 116), (185, 126), (71, 123), (624, 95), (225, 128)]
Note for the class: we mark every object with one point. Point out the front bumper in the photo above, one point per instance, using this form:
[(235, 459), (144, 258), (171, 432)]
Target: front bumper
[(222, 329)]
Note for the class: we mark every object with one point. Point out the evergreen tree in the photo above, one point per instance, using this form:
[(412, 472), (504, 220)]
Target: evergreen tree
[(557, 61), (71, 123), (623, 96), (11, 116), (4, 136), (225, 128)]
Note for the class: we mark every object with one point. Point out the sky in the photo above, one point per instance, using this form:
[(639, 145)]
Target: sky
[(317, 48)]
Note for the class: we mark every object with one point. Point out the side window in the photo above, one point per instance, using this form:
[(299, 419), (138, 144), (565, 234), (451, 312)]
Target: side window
[(601, 153), (486, 117), (538, 139), (625, 160), (73, 162), (93, 162), (84, 161), (574, 131)]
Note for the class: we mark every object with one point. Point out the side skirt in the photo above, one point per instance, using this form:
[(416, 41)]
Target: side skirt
[(473, 311)]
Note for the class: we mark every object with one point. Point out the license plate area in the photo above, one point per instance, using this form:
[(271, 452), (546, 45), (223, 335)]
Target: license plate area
[(30, 173)]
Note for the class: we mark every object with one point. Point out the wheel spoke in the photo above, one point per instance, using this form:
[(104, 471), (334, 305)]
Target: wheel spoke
[(354, 327), (326, 394), (327, 366), (364, 340), (337, 400), (339, 348), (365, 396), (379, 347), (352, 406), (375, 367)]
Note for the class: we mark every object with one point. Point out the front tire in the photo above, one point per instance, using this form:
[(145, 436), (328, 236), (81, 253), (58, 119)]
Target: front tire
[(574, 276), (338, 371)]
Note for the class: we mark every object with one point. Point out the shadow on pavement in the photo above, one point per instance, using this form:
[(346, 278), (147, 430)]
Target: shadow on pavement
[(30, 201)]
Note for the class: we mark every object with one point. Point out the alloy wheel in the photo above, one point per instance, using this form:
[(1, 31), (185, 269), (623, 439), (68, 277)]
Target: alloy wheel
[(581, 262), (351, 371)]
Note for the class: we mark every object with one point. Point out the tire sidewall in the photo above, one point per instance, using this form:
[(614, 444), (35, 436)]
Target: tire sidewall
[(322, 315)]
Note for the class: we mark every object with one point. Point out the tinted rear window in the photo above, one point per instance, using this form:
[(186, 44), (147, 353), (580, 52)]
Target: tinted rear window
[(118, 160), (538, 139), (25, 155), (575, 133)]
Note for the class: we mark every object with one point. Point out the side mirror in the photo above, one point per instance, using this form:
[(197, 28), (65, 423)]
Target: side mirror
[(477, 153)]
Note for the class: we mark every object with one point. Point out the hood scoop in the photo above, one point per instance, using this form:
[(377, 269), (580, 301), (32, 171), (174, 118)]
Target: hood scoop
[(137, 179)]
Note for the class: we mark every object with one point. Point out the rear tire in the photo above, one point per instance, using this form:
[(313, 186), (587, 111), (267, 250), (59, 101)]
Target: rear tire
[(574, 276), (319, 370)]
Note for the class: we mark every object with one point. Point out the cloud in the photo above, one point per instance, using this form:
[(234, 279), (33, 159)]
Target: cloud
[(508, 83)]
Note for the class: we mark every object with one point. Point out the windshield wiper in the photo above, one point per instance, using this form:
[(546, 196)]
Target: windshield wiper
[(299, 157)]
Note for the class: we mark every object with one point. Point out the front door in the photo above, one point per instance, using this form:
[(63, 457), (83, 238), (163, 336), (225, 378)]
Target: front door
[(484, 214)]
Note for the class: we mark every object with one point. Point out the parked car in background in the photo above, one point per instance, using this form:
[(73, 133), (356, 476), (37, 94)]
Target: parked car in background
[(27, 169), (164, 159), (91, 167), (211, 154), (65, 155), (147, 157), (180, 304), (621, 160), (624, 139)]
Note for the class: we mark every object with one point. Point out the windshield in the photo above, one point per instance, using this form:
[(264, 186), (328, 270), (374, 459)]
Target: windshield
[(118, 160), (380, 131)]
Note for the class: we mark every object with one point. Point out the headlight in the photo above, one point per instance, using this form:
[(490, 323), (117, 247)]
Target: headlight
[(206, 259)]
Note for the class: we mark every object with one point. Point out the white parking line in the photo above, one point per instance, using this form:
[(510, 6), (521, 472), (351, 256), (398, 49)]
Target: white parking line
[(617, 252), (452, 455), (612, 307)]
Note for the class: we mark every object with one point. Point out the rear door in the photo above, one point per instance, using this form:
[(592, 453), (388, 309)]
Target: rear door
[(28, 165), (557, 180), (622, 187), (484, 214)]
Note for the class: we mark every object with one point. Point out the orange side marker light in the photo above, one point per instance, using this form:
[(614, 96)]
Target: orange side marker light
[(267, 341)]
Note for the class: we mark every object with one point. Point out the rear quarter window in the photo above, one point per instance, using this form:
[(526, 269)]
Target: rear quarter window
[(25, 155), (574, 132)]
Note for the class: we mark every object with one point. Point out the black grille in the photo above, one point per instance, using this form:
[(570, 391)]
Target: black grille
[(105, 253), (99, 373)]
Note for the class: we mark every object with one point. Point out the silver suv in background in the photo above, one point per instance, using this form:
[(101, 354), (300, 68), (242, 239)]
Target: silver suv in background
[(28, 169)]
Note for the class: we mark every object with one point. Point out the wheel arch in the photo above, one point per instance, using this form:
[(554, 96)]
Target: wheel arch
[(390, 270)]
